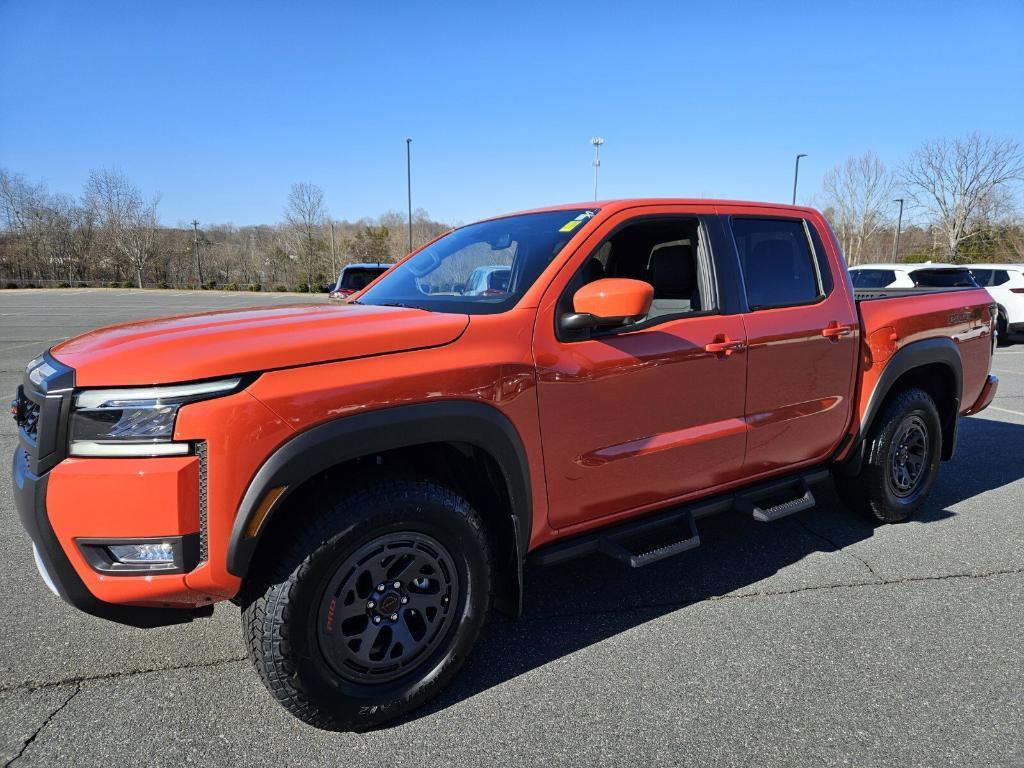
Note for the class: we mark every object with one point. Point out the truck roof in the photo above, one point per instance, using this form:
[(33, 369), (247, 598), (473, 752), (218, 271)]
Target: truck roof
[(633, 202)]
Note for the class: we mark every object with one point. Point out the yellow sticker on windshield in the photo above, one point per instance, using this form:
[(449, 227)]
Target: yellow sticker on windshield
[(570, 226)]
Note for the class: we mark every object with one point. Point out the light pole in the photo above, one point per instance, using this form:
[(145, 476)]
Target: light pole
[(334, 255), (408, 184), (597, 141), (796, 175), (195, 248), (899, 227)]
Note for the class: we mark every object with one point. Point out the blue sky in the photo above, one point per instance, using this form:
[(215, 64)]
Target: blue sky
[(220, 106)]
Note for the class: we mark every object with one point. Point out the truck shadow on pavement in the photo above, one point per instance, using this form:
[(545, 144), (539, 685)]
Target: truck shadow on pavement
[(574, 605)]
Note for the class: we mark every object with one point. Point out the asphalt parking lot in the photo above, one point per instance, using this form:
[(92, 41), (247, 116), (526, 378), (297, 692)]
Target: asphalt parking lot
[(817, 640)]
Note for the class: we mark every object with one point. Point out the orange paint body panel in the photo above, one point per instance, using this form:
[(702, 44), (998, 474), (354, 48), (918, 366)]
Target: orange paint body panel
[(214, 344), (126, 499), (490, 364), (964, 316), (610, 425), (239, 433)]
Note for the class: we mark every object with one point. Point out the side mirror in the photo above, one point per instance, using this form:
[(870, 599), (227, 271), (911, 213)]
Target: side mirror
[(609, 302)]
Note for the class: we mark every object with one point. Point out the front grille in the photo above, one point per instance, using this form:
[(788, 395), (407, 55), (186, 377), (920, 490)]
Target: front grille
[(41, 410), (27, 416)]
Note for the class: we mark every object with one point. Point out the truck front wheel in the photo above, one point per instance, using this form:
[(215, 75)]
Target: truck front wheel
[(373, 608), (901, 460)]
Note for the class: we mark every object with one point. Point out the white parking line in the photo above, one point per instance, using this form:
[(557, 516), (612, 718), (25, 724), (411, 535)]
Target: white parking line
[(1012, 373), (1006, 410), (27, 344)]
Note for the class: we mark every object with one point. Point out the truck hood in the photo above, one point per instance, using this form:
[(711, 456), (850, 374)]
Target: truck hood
[(214, 344)]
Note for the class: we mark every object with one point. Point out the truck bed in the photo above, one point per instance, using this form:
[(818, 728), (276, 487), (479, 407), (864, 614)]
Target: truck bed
[(873, 294), (892, 318)]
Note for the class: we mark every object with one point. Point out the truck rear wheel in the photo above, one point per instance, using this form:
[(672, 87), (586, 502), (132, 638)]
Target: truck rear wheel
[(901, 460), (372, 609)]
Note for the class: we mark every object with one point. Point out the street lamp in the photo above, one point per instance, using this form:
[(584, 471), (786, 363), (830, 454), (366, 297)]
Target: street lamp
[(408, 184), (796, 175), (597, 141), (899, 227)]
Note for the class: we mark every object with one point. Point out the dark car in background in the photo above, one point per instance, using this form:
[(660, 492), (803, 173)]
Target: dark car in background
[(355, 277)]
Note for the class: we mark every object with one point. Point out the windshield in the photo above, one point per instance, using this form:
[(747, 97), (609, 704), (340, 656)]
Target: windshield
[(481, 268)]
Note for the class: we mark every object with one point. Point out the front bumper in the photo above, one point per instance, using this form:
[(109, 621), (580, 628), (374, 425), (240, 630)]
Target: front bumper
[(56, 568), (39, 460)]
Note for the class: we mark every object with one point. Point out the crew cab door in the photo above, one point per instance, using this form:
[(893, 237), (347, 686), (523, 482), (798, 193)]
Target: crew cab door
[(634, 416), (802, 337)]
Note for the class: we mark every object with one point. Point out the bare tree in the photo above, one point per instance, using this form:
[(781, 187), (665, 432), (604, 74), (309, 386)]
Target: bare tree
[(305, 215), (127, 223), (962, 181), (111, 232), (22, 207), (858, 192)]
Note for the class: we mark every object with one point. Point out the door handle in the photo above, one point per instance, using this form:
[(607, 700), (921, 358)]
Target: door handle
[(836, 330), (723, 346)]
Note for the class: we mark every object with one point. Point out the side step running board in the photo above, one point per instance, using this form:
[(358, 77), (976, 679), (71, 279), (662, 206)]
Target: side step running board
[(769, 514), (642, 541), (616, 547)]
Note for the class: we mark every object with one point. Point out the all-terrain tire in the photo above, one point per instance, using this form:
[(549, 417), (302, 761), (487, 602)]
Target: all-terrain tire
[(886, 488), (283, 611)]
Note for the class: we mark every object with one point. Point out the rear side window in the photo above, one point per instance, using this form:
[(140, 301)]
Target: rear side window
[(872, 278), (357, 278), (943, 278), (990, 277), (776, 260)]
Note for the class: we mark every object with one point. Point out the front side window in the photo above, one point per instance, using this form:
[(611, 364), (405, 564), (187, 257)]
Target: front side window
[(872, 278), (481, 268), (666, 252), (775, 257)]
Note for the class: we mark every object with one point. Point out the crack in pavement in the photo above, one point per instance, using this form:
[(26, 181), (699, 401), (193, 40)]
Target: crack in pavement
[(782, 592), (78, 681), (31, 685), (836, 547), (28, 742)]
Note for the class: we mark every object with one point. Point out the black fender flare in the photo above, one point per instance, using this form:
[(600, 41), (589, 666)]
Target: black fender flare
[(326, 445), (914, 355)]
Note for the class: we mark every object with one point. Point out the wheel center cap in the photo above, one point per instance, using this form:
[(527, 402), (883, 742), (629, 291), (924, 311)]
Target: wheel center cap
[(389, 603)]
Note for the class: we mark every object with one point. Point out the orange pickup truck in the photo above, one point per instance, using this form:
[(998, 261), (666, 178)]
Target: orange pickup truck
[(366, 479)]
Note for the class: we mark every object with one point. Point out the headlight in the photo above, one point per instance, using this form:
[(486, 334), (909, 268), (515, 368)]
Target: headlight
[(136, 421)]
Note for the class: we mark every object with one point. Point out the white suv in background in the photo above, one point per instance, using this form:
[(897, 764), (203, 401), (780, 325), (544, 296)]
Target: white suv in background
[(1005, 283), (926, 274)]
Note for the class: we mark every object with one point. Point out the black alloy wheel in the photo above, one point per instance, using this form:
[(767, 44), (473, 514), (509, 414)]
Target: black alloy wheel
[(387, 607)]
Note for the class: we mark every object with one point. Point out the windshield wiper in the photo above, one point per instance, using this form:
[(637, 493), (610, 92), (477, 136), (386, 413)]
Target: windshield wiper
[(398, 304)]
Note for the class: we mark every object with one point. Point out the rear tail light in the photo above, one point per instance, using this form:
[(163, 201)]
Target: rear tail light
[(1017, 290)]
